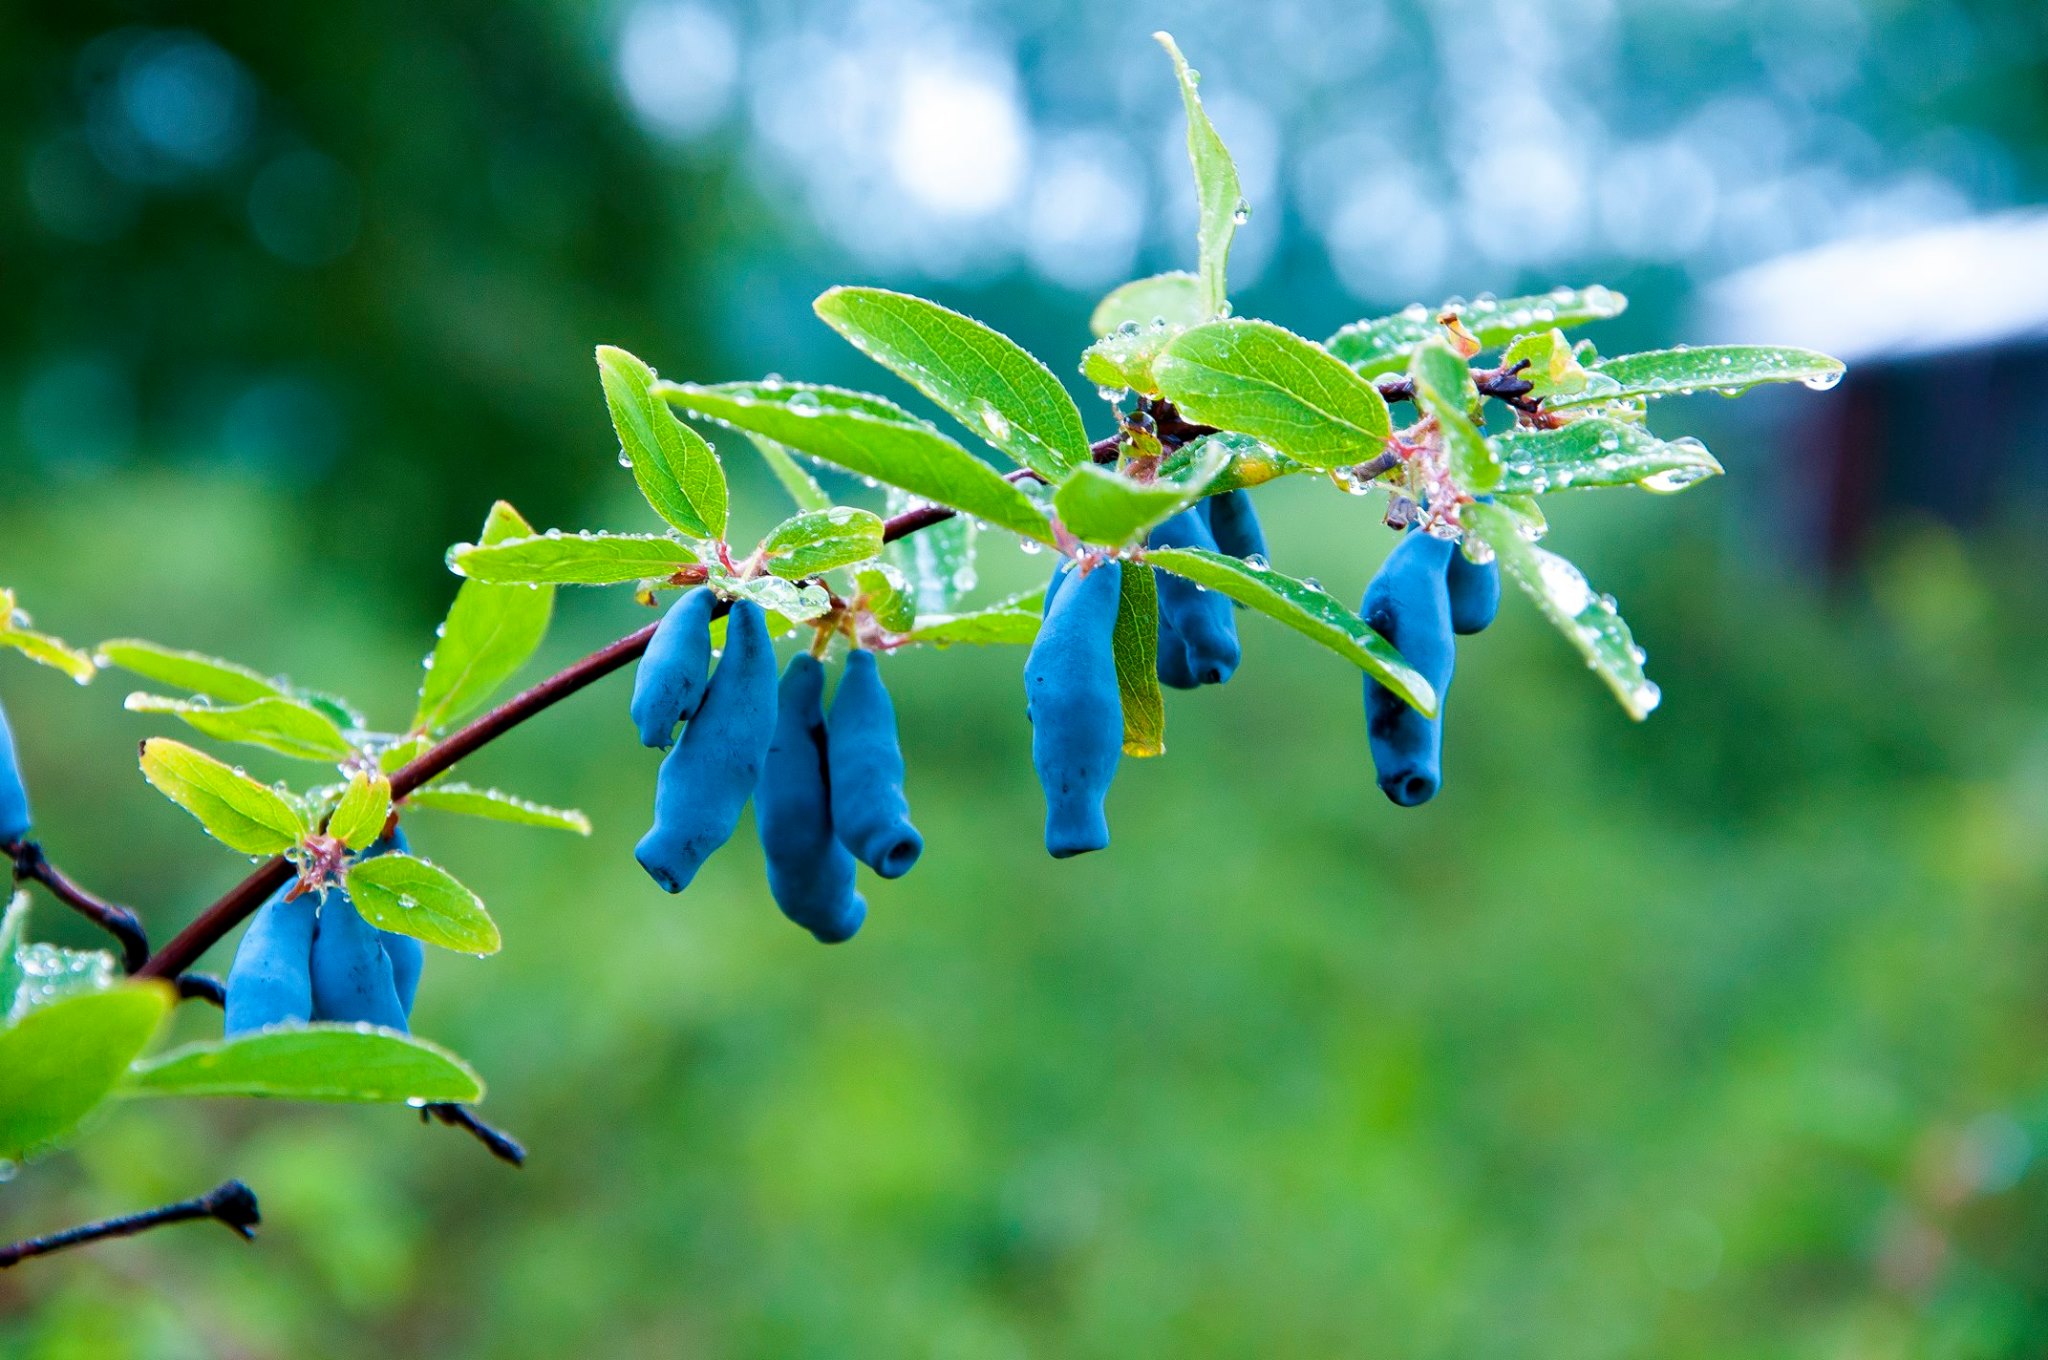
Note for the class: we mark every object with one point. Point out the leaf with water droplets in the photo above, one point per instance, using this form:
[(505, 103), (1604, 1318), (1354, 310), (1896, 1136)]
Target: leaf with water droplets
[(1383, 344), (1258, 379), (497, 806), (1588, 620), (1551, 365), (870, 437), (1596, 451), (235, 810), (581, 559), (1218, 197), (1728, 369), (884, 591), (1174, 298), (1102, 506), (1123, 359), (409, 895), (979, 376), (1134, 643), (330, 1062), (360, 815), (1251, 462), (938, 562), (290, 727), (676, 469), (786, 601), (216, 679), (1304, 607), (1011, 623), (48, 651), (489, 633), (813, 542), (60, 1061)]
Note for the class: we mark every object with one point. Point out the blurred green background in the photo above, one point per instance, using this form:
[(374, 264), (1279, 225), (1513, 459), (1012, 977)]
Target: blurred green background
[(1721, 1035)]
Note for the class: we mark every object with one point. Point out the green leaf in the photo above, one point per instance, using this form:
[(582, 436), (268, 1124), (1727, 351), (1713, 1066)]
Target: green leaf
[(1123, 359), (580, 559), (1257, 379), (1587, 619), (395, 757), (12, 924), (312, 1062), (1175, 298), (676, 469), (1383, 344), (1134, 642), (288, 726), (236, 810), (1444, 389), (979, 376), (869, 437), (360, 815), (490, 632), (1000, 625), (65, 1058), (1554, 369), (813, 542), (1251, 463), (216, 679), (49, 651), (885, 593), (1728, 369), (50, 973), (938, 562), (1099, 505), (802, 487), (498, 806), (1599, 452), (1220, 202), (1305, 607), (417, 898)]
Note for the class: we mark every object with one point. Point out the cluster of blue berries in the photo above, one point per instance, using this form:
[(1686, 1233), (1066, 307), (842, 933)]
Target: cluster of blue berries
[(314, 957), (827, 791)]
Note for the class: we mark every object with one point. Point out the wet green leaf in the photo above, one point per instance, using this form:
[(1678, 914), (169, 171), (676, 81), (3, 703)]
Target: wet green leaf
[(1219, 200), (1258, 379), (1383, 344), (216, 679), (938, 562), (787, 602), (1100, 505), (1305, 607), (802, 487), (413, 897), (49, 651), (1123, 359), (61, 1060), (1599, 452), (287, 726), (360, 815), (1175, 298), (496, 805), (311, 1062), (236, 810), (885, 592), (1728, 369), (1134, 642), (1589, 621), (869, 437), (490, 632), (676, 469), (1444, 389), (812, 542), (979, 376), (582, 559), (997, 626)]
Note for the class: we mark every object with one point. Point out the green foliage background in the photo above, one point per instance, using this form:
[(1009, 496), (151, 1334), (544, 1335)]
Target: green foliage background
[(1717, 1035)]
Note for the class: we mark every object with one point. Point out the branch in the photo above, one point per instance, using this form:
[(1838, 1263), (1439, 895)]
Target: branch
[(503, 1145), (231, 1203), (1499, 383), (118, 921)]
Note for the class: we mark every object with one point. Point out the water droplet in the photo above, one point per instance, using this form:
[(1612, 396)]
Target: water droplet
[(805, 404)]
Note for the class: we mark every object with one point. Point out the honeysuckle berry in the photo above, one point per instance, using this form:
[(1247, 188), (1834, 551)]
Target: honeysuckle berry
[(1202, 620), (869, 811), (669, 683), (1408, 604), (271, 981), (1077, 724), (14, 815), (352, 975), (810, 873)]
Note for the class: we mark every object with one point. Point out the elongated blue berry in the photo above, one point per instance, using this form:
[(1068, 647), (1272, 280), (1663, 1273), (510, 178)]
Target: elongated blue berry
[(706, 780), (1077, 721), (669, 683), (1475, 592), (271, 981), (810, 873), (1234, 523), (1408, 604), (869, 811), (14, 818), (406, 953), (1202, 618), (351, 972)]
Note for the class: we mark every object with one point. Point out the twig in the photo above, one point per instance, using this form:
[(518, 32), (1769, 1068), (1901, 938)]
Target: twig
[(124, 925), (202, 987), (231, 1203), (503, 1145)]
